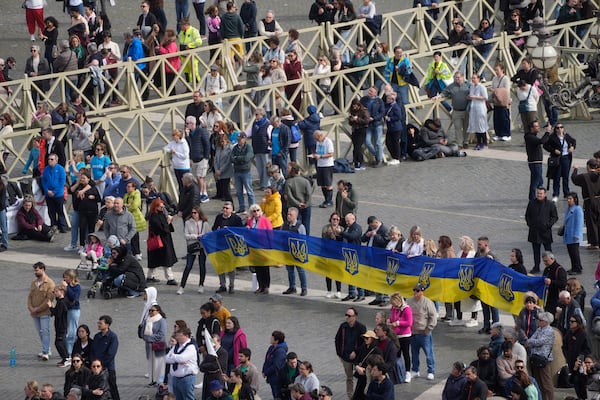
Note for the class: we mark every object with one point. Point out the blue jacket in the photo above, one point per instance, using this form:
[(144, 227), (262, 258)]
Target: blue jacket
[(54, 178), (105, 349), (309, 125), (274, 361), (376, 109), (136, 51), (454, 387), (380, 391), (573, 221), (199, 144), (394, 117), (259, 136), (112, 186), (595, 302)]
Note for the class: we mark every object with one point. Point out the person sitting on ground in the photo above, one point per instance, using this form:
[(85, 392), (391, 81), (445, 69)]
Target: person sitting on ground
[(31, 224), (436, 137)]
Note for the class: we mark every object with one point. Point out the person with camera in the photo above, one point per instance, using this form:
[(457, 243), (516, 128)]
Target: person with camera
[(576, 346)]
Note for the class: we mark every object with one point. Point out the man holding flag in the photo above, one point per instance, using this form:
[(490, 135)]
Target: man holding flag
[(214, 363)]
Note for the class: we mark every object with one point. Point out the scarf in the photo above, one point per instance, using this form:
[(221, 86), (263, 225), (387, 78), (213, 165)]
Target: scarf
[(150, 322)]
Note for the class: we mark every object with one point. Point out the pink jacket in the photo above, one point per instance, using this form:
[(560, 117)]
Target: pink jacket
[(401, 320), (263, 223), (95, 247), (239, 342)]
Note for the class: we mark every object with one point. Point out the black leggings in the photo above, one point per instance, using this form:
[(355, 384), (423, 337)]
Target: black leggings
[(405, 350), (338, 285)]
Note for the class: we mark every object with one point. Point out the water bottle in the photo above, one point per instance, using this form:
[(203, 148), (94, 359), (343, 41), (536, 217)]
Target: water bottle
[(13, 357)]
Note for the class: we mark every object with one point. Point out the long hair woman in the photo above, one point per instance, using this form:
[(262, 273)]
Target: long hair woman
[(159, 226)]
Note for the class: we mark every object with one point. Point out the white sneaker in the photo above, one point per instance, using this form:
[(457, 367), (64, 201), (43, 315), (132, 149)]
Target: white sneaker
[(430, 377), (408, 377), (71, 248), (40, 354), (138, 257), (506, 138), (180, 290), (329, 295), (32, 38), (472, 323), (496, 138), (555, 199), (415, 374), (200, 289), (45, 357), (146, 375), (338, 295), (199, 386), (393, 162), (456, 322)]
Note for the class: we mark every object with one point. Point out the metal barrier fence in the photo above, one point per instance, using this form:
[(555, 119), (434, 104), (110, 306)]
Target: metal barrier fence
[(138, 129)]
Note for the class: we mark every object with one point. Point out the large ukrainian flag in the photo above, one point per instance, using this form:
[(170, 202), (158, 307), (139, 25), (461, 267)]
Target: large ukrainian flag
[(379, 270)]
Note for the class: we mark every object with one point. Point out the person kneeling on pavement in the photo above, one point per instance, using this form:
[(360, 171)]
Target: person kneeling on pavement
[(127, 273)]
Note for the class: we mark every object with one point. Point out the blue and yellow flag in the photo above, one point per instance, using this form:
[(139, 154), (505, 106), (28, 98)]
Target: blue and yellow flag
[(379, 270)]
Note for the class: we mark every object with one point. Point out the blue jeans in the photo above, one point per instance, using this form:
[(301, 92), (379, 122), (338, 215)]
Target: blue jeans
[(281, 160), (243, 180), (418, 341), (562, 172), (183, 388), (182, 9), (42, 325), (275, 389), (72, 324), (74, 227), (352, 291), (4, 228), (199, 8), (304, 218), (261, 161), (376, 131), (119, 283), (292, 276), (402, 92), (536, 178)]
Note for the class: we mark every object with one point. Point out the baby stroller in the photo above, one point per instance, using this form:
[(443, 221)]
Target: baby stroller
[(103, 276), (92, 253)]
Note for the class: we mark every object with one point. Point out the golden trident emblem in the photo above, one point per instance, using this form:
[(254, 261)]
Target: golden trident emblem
[(298, 249), (237, 244)]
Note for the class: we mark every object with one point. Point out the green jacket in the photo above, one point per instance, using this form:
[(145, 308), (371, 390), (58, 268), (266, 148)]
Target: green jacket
[(133, 201)]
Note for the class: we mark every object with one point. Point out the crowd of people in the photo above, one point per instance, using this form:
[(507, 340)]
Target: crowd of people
[(107, 197)]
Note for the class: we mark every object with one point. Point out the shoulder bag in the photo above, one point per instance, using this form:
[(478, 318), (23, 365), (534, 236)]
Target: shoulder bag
[(523, 104), (154, 242)]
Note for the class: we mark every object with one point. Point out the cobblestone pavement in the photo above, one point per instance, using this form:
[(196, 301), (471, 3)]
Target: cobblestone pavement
[(482, 194)]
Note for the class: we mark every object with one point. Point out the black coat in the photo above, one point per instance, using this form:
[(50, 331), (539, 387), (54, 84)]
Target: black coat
[(213, 368), (540, 216), (99, 381), (188, 198), (134, 274), (165, 256), (76, 378)]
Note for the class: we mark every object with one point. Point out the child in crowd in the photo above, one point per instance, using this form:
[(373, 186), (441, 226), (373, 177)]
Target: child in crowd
[(34, 158), (59, 312), (75, 164), (93, 251)]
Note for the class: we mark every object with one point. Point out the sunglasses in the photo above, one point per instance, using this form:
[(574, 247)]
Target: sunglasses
[(152, 310), (349, 315), (416, 290), (76, 361), (96, 366), (194, 212)]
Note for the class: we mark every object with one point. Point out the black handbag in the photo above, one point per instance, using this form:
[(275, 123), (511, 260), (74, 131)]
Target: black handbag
[(553, 161), (538, 361), (141, 331), (561, 231), (194, 247)]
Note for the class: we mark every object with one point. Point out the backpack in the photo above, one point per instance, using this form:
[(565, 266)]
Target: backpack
[(296, 134)]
